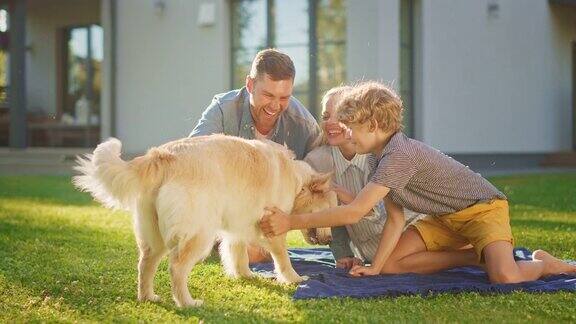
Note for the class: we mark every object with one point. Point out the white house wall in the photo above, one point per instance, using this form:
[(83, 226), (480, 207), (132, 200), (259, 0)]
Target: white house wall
[(495, 83), (168, 69), (373, 40)]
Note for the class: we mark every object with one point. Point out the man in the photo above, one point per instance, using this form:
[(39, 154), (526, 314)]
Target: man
[(264, 108)]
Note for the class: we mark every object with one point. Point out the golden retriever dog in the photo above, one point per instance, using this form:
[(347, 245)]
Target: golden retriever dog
[(186, 194)]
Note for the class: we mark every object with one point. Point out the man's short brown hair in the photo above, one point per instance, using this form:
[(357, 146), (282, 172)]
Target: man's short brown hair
[(372, 101), (277, 65)]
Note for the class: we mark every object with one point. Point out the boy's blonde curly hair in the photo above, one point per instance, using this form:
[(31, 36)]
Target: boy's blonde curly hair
[(372, 101)]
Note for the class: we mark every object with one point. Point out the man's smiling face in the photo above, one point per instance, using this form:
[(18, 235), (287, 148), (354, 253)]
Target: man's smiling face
[(268, 99)]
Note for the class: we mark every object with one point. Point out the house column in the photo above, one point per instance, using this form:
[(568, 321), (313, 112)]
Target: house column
[(108, 95), (17, 89)]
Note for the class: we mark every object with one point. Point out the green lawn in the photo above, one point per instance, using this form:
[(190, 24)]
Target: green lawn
[(64, 258)]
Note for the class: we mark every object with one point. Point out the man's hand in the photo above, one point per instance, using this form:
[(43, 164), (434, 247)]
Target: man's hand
[(348, 262), (361, 271), (274, 222)]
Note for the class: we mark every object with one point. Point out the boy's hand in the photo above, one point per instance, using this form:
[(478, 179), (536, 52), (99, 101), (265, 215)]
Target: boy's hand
[(348, 262), (274, 222), (361, 271)]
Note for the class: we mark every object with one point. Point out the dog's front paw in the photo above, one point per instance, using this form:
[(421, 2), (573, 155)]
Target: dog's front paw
[(237, 274), (149, 298), (291, 278), (247, 275), (191, 303)]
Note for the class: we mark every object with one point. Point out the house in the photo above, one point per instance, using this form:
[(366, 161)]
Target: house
[(484, 80)]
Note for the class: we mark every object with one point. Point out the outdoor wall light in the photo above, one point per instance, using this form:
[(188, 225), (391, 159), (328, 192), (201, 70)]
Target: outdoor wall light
[(493, 9), (159, 7), (206, 14)]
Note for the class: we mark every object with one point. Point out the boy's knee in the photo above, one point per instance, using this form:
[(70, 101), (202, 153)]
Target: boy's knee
[(392, 268), (504, 277)]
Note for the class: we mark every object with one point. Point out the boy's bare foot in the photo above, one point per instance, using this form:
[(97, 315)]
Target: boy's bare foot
[(553, 265)]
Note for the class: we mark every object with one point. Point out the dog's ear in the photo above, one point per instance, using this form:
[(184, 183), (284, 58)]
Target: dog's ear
[(321, 182)]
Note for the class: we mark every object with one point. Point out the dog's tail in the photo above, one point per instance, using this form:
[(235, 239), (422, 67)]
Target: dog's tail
[(112, 181)]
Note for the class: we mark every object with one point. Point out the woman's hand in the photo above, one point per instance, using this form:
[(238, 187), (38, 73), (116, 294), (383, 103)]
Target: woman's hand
[(274, 222), (309, 235), (362, 271), (344, 196)]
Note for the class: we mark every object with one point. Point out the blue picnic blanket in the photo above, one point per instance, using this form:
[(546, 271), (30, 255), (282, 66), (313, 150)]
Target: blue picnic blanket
[(327, 281)]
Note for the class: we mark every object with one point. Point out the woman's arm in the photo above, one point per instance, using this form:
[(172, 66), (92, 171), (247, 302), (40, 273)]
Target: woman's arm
[(277, 222), (340, 244)]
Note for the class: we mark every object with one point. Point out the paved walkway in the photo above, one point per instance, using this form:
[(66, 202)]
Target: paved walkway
[(518, 171), (39, 161), (44, 161)]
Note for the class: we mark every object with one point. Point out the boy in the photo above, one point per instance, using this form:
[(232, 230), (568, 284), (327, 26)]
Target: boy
[(468, 220)]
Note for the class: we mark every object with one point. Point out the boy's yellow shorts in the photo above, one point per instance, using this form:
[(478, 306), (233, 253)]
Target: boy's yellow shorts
[(479, 225)]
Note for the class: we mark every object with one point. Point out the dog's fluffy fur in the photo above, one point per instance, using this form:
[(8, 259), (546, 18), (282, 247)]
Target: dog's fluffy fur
[(187, 193)]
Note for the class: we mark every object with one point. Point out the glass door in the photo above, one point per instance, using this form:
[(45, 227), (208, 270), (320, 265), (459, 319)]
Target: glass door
[(82, 86)]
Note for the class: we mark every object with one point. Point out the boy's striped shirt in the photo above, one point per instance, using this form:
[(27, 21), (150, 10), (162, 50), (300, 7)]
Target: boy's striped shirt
[(425, 180)]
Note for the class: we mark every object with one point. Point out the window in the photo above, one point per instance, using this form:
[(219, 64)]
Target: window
[(311, 32), (3, 56), (4, 78), (83, 73)]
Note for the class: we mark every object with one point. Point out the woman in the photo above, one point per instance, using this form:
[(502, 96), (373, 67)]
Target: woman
[(351, 173)]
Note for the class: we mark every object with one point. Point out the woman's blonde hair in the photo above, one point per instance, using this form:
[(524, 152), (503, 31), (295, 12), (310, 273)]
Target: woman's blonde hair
[(333, 93), (372, 101)]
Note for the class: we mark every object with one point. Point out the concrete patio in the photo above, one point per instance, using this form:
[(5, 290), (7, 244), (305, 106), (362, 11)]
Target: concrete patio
[(39, 161), (59, 161)]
